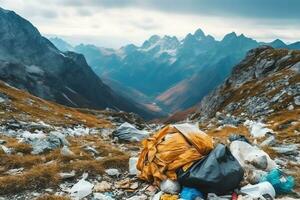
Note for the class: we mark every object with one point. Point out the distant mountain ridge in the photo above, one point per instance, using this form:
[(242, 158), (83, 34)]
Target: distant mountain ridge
[(173, 73), (31, 62)]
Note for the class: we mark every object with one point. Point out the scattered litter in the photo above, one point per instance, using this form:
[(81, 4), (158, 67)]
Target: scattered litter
[(157, 196), (112, 172), (257, 129), (170, 187), (188, 193), (132, 166), (258, 190), (250, 155), (100, 196), (291, 149), (81, 189), (281, 182), (169, 197), (67, 175), (171, 149), (103, 186), (234, 137), (129, 133), (213, 196), (6, 150), (270, 141), (218, 173)]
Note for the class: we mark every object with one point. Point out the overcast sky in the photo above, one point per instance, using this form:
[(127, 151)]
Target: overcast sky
[(113, 23)]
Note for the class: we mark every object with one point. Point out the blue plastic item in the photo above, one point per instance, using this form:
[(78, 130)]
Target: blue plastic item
[(188, 193), (281, 182)]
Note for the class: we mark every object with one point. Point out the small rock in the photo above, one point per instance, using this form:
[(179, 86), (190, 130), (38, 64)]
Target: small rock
[(67, 175), (270, 141), (103, 186), (35, 194), (2, 141), (138, 197), (260, 162), (65, 151), (123, 184), (151, 190), (291, 149), (290, 107), (112, 172), (297, 100), (134, 186), (91, 150), (15, 171)]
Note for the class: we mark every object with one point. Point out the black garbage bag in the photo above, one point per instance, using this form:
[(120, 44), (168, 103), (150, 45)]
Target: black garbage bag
[(219, 172)]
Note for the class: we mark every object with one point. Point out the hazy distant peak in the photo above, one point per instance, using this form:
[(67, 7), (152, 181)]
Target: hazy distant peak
[(230, 36), (199, 34)]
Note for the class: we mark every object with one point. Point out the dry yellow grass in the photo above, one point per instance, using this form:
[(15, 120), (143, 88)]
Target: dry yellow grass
[(221, 135), (38, 109), (53, 197), (38, 174)]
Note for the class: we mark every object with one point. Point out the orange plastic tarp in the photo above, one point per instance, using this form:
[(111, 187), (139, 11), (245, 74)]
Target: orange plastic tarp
[(171, 148)]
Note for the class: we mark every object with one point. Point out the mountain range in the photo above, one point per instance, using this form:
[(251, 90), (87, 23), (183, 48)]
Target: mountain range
[(167, 73), (31, 62)]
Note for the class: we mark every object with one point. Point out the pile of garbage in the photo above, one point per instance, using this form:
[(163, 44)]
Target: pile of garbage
[(185, 164)]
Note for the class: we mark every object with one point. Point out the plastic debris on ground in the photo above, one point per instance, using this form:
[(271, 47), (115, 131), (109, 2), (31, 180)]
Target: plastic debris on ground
[(217, 173), (170, 187), (257, 129), (171, 148), (250, 156), (81, 189), (281, 182), (100, 196), (188, 193), (259, 190), (212, 196), (128, 132), (132, 166)]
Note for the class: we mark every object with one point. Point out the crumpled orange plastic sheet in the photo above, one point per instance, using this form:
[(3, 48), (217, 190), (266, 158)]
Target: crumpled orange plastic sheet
[(171, 148)]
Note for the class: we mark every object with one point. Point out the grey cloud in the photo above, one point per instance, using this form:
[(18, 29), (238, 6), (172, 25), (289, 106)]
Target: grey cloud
[(244, 8), (84, 12), (145, 24)]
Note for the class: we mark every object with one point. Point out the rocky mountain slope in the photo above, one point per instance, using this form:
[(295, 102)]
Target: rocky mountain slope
[(267, 81), (173, 73), (31, 62)]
